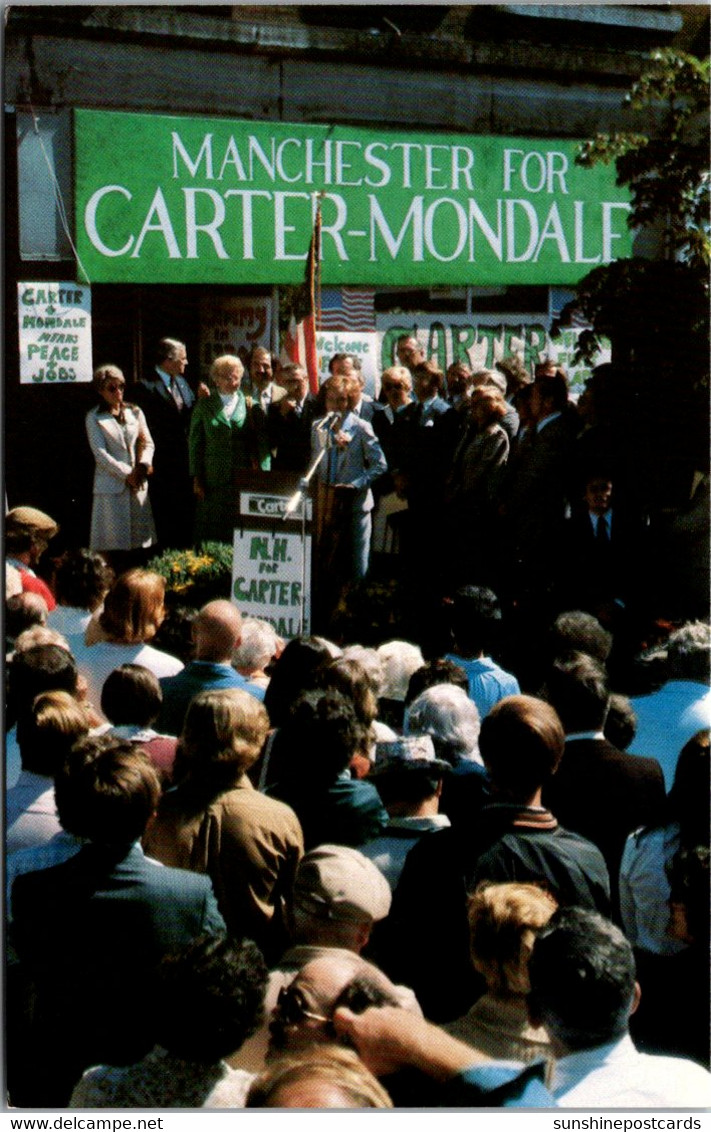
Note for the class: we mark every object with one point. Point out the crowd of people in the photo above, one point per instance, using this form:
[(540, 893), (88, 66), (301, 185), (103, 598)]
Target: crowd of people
[(466, 866)]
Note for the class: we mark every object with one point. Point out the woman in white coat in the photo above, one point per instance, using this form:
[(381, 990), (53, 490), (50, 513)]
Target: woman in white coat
[(121, 517)]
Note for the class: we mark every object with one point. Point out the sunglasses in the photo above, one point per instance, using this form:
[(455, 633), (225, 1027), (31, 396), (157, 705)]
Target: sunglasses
[(293, 1009), (114, 387)]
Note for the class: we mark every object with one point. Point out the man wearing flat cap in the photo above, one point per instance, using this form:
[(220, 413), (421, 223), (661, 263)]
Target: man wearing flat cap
[(28, 533), (338, 896)]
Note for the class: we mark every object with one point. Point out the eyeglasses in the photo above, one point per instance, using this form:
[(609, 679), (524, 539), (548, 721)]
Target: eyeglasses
[(115, 387), (292, 1007), (388, 387)]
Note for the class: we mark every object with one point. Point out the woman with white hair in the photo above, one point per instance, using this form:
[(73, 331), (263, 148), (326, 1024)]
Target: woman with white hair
[(399, 659), (450, 718), (260, 645), (447, 714), (223, 439)]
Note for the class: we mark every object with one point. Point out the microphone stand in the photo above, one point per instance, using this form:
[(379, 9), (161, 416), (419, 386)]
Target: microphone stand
[(299, 498)]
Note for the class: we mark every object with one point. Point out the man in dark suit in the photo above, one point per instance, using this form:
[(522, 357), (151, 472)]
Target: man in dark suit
[(263, 393), (602, 548), (538, 486), (598, 791), (427, 437), (289, 421), (89, 933), (167, 400)]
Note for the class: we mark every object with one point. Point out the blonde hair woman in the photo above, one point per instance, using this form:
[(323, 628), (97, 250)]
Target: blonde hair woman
[(322, 1077), (132, 613), (225, 438), (503, 921), (215, 822), (46, 733)]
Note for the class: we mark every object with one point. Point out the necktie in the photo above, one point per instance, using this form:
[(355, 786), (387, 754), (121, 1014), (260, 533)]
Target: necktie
[(176, 394), (603, 536)]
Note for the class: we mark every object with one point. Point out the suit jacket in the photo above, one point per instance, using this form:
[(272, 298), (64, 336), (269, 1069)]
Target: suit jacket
[(120, 518), (391, 430), (260, 420), (115, 447), (89, 933), (369, 409), (600, 572), (168, 424), (247, 843), (536, 489), (603, 794), (426, 437), (290, 435), (475, 476), (360, 463), (218, 444), (171, 489)]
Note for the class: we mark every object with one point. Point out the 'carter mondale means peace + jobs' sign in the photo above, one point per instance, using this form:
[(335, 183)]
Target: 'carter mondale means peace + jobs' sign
[(211, 200)]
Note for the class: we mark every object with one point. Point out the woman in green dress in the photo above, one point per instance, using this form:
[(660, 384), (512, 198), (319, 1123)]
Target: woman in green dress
[(224, 439)]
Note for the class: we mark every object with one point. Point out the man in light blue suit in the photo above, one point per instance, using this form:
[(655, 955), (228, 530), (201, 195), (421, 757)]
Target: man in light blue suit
[(353, 460)]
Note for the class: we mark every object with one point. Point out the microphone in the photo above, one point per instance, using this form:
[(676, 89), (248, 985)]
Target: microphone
[(328, 424), (296, 498)]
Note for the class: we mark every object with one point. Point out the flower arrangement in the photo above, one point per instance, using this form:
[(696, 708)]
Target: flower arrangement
[(196, 576)]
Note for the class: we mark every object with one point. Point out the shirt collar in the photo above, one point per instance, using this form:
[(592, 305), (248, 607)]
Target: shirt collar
[(28, 779), (571, 1069), (165, 377), (584, 735), (21, 566), (133, 732), (431, 821), (547, 420)]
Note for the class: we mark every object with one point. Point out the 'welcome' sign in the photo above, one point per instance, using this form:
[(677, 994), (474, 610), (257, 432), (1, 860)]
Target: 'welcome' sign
[(217, 201)]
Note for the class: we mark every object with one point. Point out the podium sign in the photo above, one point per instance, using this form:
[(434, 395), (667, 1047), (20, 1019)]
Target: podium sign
[(267, 578)]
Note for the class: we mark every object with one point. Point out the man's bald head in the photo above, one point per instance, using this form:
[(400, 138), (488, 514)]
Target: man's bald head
[(217, 631)]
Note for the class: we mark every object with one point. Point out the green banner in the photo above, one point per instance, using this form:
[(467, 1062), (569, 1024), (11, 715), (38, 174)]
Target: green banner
[(195, 200)]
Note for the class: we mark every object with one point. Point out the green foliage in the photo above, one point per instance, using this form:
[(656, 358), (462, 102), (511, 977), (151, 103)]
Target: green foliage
[(656, 312), (196, 576), (668, 176), (653, 311)]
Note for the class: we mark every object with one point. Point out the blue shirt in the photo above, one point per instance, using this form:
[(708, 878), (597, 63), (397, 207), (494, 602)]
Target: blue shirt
[(197, 676), (499, 1084), (487, 682)]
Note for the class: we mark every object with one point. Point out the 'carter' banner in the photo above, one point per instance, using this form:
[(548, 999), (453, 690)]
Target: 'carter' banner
[(197, 200)]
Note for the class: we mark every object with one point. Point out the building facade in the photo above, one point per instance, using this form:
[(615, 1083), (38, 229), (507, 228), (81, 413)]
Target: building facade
[(163, 166)]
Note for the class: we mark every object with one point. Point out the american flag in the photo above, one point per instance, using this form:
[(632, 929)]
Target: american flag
[(344, 309), (563, 307), (300, 347)]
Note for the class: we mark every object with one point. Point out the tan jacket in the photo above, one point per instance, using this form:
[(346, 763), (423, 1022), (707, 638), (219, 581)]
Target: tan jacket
[(250, 846)]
